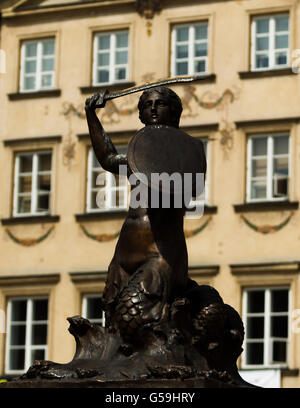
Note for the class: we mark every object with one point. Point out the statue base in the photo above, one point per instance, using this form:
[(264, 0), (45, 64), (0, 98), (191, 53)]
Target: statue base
[(194, 345), (123, 384)]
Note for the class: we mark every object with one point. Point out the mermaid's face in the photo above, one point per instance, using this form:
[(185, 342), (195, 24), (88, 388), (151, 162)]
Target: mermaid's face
[(156, 110)]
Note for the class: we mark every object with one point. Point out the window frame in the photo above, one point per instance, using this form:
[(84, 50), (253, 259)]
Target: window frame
[(270, 171), (271, 35), (85, 297), (112, 51), (28, 347), (109, 188), (38, 73), (190, 42), (34, 182), (267, 339)]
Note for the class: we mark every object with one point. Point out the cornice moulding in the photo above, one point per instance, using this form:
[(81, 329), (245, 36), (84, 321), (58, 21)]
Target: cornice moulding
[(14, 12), (203, 271), (267, 122), (268, 268), (80, 277), (30, 279), (29, 140)]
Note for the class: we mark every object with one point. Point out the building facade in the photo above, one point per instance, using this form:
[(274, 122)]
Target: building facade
[(60, 224)]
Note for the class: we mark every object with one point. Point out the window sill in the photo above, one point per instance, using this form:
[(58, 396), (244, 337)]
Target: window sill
[(19, 96), (9, 377), (111, 87), (290, 372), (266, 206), (285, 371), (96, 216), (33, 219), (210, 209), (266, 73)]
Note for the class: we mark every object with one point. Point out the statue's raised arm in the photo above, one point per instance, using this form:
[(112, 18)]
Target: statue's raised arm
[(104, 149)]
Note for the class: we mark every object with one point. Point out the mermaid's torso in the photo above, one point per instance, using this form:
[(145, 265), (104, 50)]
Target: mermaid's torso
[(151, 233)]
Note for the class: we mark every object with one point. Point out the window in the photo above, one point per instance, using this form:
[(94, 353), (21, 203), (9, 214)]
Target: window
[(268, 167), (110, 57), (270, 42), (189, 49), (266, 319), (27, 332), (105, 191), (203, 198), (37, 65), (32, 183), (92, 310)]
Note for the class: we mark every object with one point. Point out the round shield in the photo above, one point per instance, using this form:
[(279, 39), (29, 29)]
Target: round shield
[(161, 153)]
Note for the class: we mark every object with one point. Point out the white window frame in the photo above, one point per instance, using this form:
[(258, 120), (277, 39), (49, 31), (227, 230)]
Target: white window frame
[(38, 74), (270, 173), (28, 335), (267, 340), (112, 63), (191, 41), (272, 50), (110, 188), (100, 320), (34, 183)]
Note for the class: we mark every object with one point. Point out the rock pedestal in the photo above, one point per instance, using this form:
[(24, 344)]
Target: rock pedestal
[(195, 345)]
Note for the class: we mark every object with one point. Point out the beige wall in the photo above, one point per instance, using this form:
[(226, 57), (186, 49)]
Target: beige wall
[(226, 240)]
